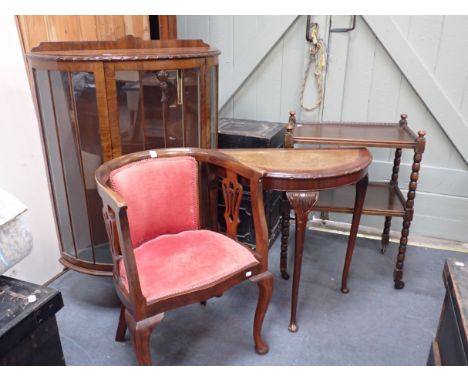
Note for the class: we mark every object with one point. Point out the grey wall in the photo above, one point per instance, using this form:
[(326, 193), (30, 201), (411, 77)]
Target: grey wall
[(387, 66)]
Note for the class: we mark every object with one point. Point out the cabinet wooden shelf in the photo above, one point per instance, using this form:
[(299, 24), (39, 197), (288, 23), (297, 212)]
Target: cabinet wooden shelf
[(98, 100), (382, 198)]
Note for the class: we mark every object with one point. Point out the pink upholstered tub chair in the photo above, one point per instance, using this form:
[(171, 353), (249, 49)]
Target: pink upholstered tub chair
[(162, 258)]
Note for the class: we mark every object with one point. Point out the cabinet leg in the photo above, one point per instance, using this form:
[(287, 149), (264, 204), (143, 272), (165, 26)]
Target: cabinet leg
[(302, 203), (386, 234), (285, 211)]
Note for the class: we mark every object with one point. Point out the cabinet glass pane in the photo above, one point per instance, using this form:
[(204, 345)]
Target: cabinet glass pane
[(130, 111), (191, 105), (158, 109), (170, 127), (85, 103), (69, 118), (74, 184), (54, 160)]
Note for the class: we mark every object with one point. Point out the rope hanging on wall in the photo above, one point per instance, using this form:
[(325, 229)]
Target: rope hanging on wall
[(317, 55)]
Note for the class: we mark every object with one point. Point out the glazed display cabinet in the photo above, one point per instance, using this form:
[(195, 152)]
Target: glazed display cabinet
[(102, 99)]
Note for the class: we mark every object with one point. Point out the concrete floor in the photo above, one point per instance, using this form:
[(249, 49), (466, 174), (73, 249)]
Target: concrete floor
[(373, 325)]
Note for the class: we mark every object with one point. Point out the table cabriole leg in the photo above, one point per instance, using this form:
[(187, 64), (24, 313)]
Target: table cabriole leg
[(361, 188), (302, 203)]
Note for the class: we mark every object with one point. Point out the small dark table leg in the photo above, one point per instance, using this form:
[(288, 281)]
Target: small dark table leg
[(361, 188), (394, 183), (302, 203), (285, 211), (386, 234)]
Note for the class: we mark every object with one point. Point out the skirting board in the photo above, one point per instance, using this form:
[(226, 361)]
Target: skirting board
[(376, 234)]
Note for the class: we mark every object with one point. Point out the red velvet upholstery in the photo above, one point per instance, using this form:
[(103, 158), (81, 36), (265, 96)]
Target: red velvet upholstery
[(197, 258), (161, 195)]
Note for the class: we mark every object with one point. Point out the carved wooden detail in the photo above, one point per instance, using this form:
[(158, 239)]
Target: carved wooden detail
[(232, 193), (111, 228), (303, 203)]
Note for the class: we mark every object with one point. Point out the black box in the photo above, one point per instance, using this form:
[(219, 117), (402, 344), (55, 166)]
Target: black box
[(28, 329), (245, 133), (450, 346)]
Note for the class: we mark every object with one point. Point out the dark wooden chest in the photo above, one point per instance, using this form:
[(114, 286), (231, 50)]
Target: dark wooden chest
[(450, 347), (245, 133), (28, 328)]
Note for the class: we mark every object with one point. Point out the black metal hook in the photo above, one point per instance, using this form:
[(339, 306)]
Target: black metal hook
[(308, 37), (343, 30)]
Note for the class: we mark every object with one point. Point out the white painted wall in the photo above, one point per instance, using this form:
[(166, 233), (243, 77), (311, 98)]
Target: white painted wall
[(363, 83), (22, 166)]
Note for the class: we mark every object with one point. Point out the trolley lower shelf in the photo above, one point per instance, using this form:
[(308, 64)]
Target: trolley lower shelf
[(382, 199)]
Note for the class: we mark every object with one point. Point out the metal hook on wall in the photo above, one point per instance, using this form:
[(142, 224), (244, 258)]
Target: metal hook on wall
[(308, 29), (343, 30)]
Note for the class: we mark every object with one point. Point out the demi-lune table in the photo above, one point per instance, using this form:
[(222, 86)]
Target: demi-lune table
[(302, 173)]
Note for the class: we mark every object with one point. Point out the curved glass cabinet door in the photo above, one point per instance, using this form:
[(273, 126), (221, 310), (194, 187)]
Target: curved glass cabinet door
[(67, 106)]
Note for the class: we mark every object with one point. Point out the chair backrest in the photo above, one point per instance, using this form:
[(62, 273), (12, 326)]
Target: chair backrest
[(161, 196)]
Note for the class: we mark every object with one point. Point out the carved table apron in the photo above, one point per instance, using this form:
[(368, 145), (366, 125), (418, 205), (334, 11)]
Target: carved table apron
[(301, 173)]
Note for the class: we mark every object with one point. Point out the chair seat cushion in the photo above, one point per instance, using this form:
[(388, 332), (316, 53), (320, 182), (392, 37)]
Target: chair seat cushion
[(175, 263)]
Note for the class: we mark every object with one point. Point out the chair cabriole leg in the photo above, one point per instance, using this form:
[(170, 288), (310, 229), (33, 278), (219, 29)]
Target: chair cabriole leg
[(264, 282)]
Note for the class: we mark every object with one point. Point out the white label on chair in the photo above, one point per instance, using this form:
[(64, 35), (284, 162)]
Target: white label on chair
[(459, 263), (248, 274), (153, 154)]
